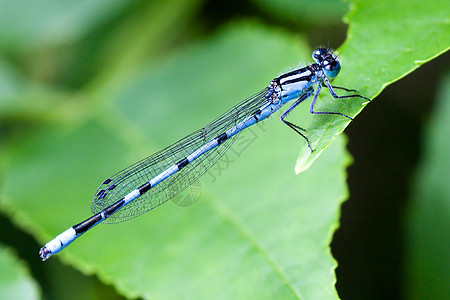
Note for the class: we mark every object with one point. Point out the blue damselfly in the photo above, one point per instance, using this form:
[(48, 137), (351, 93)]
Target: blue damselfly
[(161, 176)]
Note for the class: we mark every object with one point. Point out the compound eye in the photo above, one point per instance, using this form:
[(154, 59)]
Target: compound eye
[(318, 55), (331, 69)]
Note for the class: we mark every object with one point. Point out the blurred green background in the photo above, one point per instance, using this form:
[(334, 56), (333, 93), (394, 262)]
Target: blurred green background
[(73, 72)]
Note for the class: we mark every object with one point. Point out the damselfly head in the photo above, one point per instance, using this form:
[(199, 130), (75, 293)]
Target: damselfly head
[(327, 61)]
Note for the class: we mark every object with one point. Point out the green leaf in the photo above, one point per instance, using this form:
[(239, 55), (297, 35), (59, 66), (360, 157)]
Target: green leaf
[(52, 21), (386, 41), (15, 280), (156, 25), (316, 12), (20, 97), (257, 231), (428, 243)]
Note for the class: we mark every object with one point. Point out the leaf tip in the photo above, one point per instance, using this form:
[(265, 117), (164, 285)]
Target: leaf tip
[(305, 159)]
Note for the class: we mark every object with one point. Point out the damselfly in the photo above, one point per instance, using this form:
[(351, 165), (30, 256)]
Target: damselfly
[(161, 176)]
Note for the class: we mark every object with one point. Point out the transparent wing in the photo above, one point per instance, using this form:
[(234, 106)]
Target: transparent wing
[(120, 184)]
